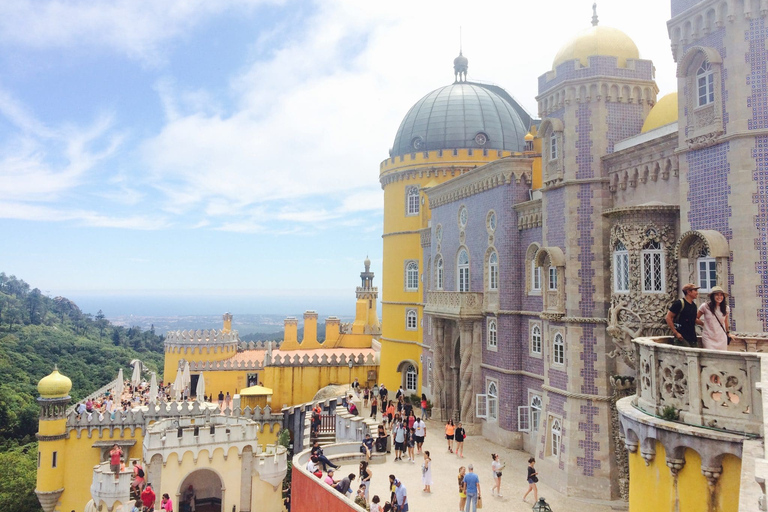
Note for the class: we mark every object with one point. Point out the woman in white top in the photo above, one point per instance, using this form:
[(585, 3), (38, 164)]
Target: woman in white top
[(713, 317), (496, 467), (426, 472)]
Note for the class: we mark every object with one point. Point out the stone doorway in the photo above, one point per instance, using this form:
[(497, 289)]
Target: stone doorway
[(208, 492)]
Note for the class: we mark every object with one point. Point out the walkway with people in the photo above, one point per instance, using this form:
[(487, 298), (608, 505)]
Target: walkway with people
[(445, 469)]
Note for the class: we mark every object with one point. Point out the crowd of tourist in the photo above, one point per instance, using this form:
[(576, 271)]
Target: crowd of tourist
[(401, 431)]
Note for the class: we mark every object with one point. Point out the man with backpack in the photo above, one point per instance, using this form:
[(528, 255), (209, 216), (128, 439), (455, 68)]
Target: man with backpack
[(681, 317)]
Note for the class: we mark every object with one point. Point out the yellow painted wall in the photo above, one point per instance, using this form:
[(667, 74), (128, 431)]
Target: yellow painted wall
[(173, 357), (80, 456), (652, 487), (263, 497), (298, 384), (231, 381)]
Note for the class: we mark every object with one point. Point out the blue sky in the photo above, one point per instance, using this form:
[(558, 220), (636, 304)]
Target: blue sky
[(232, 146)]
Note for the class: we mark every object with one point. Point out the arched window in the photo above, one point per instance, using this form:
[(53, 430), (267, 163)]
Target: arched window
[(558, 349), (707, 267), (411, 320), (412, 276), (705, 83), (493, 340), (620, 269), (557, 436), (653, 267), (411, 378), (493, 401), (552, 279), (439, 273), (462, 266), (412, 200), (535, 277), (553, 149), (536, 339), (493, 271), (535, 412)]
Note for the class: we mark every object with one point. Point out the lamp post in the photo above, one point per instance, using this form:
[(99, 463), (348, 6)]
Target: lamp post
[(351, 363), (541, 506)]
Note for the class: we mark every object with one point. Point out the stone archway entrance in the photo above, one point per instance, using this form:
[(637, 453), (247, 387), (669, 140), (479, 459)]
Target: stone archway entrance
[(208, 492)]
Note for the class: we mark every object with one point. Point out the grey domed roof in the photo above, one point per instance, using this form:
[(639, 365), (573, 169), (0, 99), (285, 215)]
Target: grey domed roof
[(453, 117)]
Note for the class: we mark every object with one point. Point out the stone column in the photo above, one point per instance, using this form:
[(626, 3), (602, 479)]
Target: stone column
[(439, 347), (466, 389)]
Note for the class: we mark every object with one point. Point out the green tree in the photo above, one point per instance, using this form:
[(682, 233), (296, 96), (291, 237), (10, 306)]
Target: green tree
[(101, 323), (17, 486)]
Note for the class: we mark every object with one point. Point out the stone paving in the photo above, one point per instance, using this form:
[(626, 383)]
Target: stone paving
[(477, 451)]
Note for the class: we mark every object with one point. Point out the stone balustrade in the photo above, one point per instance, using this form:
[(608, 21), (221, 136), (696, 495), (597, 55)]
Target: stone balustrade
[(708, 388), (106, 491), (455, 304)]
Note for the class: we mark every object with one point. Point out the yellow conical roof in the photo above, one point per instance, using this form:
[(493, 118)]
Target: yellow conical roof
[(54, 385), (662, 113), (598, 40)]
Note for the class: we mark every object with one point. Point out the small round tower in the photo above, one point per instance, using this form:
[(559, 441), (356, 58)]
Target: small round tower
[(52, 431)]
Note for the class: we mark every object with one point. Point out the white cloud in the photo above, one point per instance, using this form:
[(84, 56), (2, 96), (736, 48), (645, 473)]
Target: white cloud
[(136, 28), (24, 211), (314, 116)]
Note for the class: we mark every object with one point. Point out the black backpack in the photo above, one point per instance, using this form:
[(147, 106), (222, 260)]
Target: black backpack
[(140, 473)]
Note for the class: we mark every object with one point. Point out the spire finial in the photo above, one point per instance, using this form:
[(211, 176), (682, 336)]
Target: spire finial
[(594, 14), (460, 64)]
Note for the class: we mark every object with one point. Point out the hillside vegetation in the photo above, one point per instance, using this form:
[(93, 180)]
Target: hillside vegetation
[(36, 333)]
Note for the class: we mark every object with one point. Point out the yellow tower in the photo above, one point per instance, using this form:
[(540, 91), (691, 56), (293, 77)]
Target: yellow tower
[(52, 431), (448, 132)]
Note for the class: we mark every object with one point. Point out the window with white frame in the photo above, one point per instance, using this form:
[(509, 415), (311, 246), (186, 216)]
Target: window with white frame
[(705, 83), (412, 276), (493, 340), (493, 401), (462, 266), (620, 269), (556, 437), (536, 339), (553, 149), (439, 273), (535, 412), (411, 378), (552, 284), (535, 277), (707, 267), (411, 319), (493, 271), (412, 200), (653, 267), (558, 349)]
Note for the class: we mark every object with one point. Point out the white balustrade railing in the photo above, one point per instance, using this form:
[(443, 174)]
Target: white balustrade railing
[(709, 388)]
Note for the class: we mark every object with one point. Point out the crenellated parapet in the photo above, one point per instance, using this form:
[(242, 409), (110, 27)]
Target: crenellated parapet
[(225, 365), (210, 341), (142, 417), (359, 359)]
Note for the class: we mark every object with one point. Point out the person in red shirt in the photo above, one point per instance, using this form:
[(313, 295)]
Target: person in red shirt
[(148, 498), (115, 458)]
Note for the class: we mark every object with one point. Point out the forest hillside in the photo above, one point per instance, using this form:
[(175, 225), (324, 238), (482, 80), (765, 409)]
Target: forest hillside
[(36, 333)]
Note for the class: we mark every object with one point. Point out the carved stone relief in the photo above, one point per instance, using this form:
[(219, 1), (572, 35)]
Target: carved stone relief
[(636, 313)]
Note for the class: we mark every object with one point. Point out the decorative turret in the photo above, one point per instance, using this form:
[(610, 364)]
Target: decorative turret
[(366, 317), (54, 397), (227, 323), (460, 67)]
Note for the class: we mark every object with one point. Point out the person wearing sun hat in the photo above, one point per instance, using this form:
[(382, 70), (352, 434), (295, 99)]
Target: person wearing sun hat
[(713, 316), (681, 317)]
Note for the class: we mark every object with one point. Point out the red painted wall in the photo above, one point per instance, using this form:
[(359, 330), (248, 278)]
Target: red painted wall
[(309, 493)]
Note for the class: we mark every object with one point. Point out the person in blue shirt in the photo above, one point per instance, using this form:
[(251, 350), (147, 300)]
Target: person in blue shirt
[(472, 481)]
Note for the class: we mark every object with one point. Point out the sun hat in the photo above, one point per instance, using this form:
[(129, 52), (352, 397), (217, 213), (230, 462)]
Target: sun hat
[(690, 286), (717, 289)]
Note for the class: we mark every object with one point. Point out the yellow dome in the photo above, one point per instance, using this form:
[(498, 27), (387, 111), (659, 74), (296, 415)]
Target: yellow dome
[(598, 40), (662, 113), (528, 136), (54, 385)]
